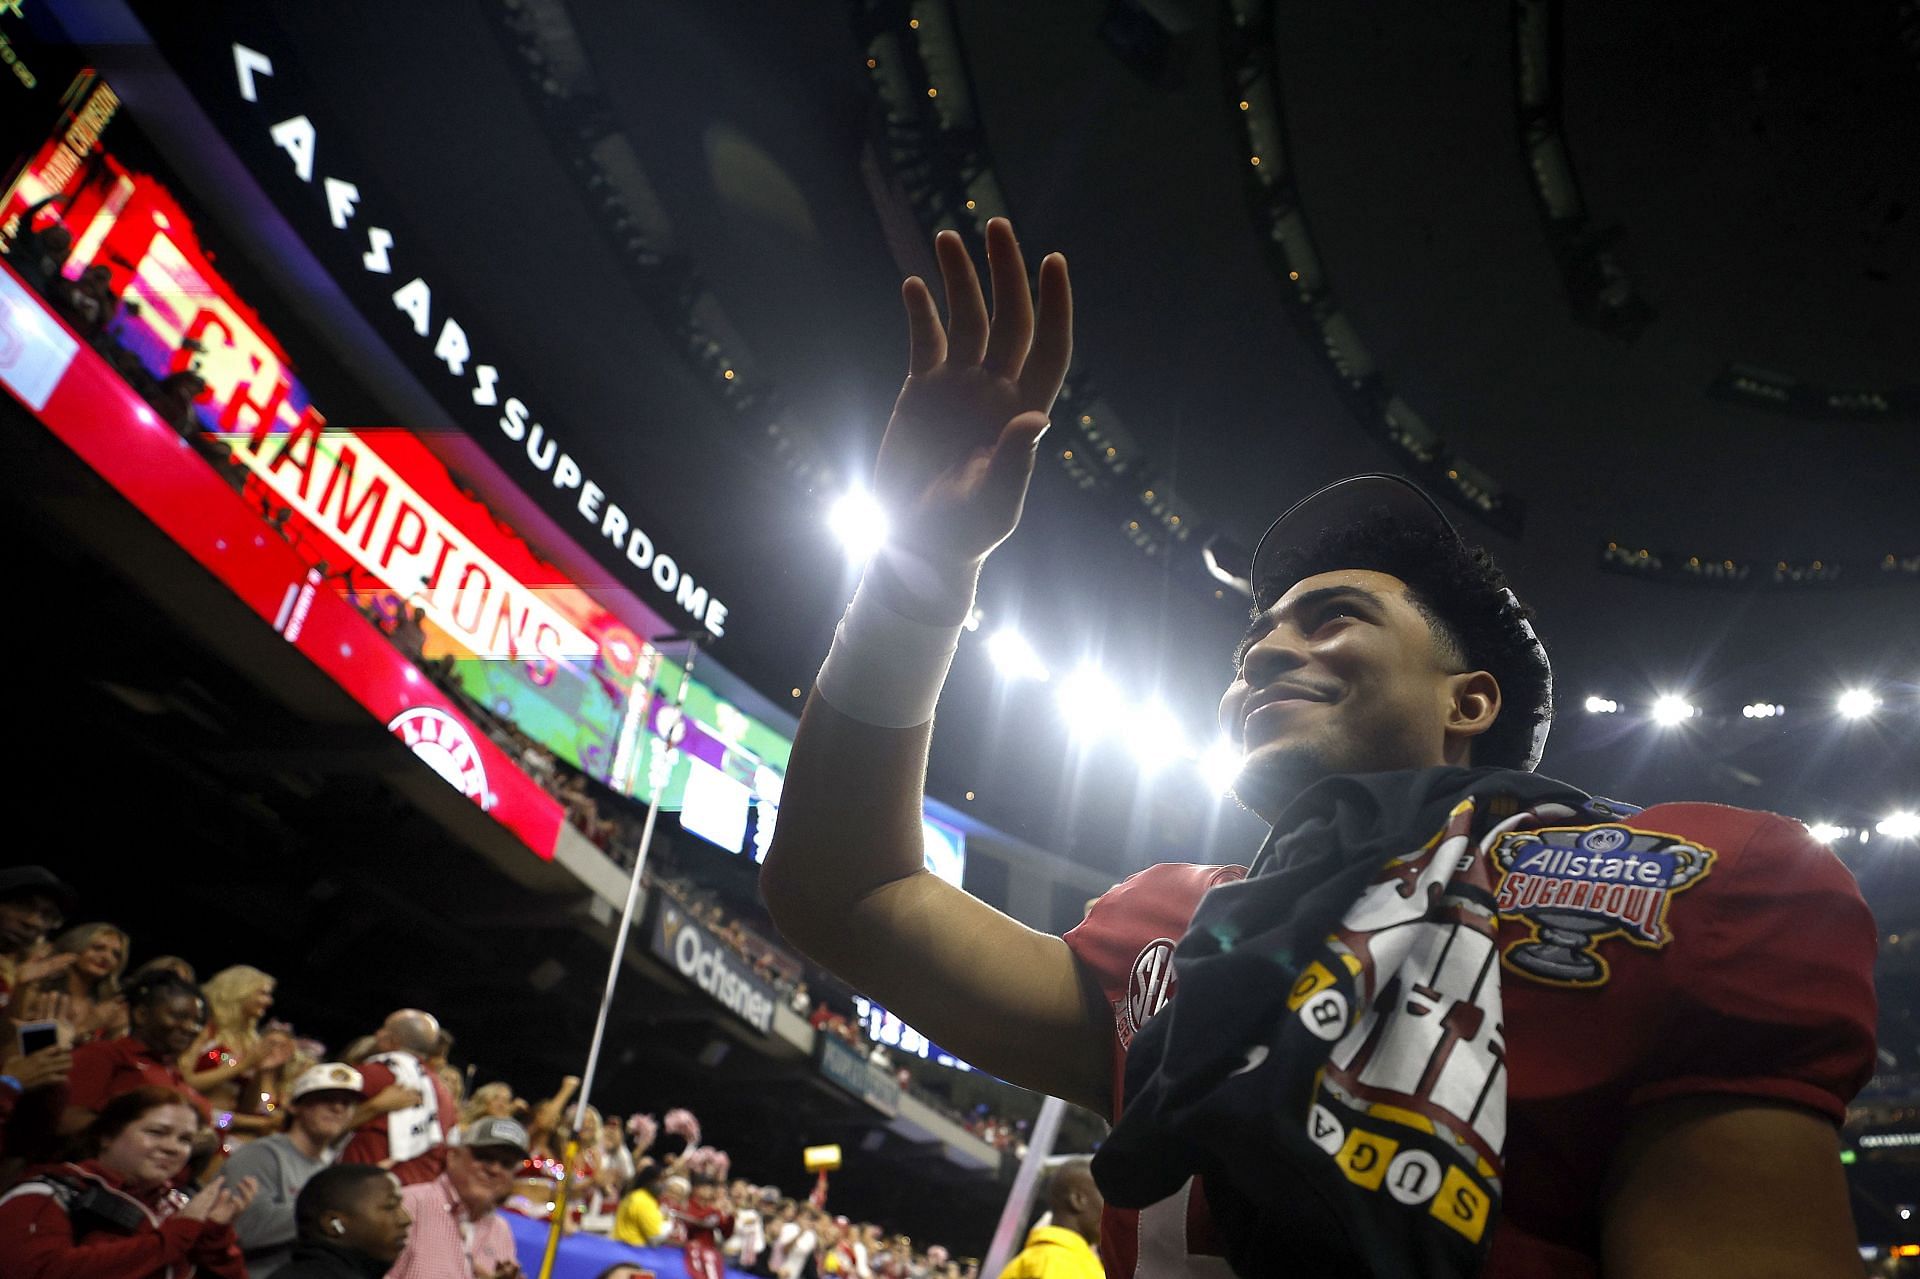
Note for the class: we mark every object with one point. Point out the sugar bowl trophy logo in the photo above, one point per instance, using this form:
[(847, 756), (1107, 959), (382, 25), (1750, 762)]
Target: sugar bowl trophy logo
[(1578, 885), (444, 745)]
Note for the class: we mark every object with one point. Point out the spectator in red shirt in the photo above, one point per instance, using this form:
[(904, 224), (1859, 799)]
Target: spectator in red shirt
[(113, 1215), (32, 1093), (408, 1113), (166, 1014)]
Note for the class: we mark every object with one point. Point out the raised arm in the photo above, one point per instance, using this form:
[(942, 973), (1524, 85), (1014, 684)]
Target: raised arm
[(845, 878)]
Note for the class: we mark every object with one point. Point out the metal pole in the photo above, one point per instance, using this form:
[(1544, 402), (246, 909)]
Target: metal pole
[(572, 1150), (1008, 1235)]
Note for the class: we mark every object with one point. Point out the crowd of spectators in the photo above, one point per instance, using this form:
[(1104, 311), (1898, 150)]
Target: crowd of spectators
[(211, 1041), (156, 1124), (39, 251)]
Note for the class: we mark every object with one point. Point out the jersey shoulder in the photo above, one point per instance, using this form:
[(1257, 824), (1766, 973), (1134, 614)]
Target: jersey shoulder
[(1153, 905), (1771, 970)]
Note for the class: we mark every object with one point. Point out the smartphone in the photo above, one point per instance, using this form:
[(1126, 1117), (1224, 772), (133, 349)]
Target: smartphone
[(35, 1035)]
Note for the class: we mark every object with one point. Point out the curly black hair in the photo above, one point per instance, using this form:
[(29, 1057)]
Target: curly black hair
[(1464, 597), (157, 988)]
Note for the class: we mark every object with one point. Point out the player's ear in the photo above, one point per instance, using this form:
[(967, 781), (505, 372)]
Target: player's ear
[(1474, 703)]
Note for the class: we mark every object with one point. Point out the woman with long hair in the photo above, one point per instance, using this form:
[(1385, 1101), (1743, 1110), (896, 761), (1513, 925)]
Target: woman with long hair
[(236, 1064), (115, 1214), (91, 984), (495, 1099)]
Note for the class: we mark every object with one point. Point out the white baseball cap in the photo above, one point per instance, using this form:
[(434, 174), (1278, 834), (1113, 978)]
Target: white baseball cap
[(328, 1076)]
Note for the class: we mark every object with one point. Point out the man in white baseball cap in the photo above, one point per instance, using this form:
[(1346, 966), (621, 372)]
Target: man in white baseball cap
[(320, 1103)]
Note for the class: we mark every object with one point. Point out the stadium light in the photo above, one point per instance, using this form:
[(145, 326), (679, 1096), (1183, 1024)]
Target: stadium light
[(1857, 703), (1154, 737), (860, 524), (1904, 824), (1220, 766), (1762, 710), (1013, 657), (1090, 703), (1670, 709), (1602, 706), (1827, 832)]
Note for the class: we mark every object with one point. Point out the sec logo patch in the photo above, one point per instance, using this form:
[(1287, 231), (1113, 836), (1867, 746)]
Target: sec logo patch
[(1149, 987)]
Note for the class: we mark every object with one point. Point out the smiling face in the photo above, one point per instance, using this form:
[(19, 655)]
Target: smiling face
[(25, 921), (102, 956), (171, 1025), (324, 1115), (153, 1149), (1346, 674), (482, 1177)]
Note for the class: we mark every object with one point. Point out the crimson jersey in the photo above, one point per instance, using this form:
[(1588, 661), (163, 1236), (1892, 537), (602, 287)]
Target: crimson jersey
[(1621, 987), (706, 1226)]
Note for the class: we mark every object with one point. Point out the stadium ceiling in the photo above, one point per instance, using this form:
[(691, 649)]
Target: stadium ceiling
[(1647, 273)]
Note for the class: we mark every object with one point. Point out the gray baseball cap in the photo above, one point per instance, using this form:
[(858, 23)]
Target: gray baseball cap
[(490, 1130)]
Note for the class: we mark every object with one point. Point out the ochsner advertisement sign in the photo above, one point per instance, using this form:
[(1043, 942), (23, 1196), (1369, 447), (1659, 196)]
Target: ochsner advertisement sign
[(703, 959)]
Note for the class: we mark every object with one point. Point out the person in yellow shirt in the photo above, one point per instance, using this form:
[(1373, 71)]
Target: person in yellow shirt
[(1064, 1248), (639, 1220)]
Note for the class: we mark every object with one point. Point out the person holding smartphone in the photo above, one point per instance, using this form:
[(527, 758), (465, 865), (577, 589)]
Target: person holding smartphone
[(33, 1071)]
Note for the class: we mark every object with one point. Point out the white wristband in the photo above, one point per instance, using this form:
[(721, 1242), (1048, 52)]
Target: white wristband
[(885, 669)]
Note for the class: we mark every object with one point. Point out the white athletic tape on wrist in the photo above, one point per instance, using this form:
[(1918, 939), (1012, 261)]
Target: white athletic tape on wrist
[(885, 669)]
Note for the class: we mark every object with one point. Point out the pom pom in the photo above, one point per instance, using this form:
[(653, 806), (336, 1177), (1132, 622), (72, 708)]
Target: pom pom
[(708, 1163), (643, 1129), (680, 1121)]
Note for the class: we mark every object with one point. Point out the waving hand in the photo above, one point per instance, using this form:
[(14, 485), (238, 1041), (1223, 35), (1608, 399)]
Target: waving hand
[(960, 447)]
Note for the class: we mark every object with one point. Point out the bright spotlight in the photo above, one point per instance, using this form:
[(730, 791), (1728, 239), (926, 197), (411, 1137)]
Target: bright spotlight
[(1013, 657), (1220, 766), (1762, 710), (1901, 825), (1827, 832), (1672, 709), (1090, 704), (860, 524), (1602, 706), (1858, 703), (1153, 736)]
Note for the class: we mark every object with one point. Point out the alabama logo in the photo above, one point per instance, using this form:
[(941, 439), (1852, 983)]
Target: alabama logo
[(444, 745), (1577, 885)]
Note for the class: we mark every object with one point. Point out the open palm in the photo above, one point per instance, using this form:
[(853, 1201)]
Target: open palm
[(960, 447)]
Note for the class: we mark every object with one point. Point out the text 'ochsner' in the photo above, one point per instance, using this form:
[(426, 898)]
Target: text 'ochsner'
[(706, 968)]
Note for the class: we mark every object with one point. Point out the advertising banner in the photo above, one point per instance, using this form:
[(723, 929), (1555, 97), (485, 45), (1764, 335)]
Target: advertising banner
[(86, 402), (686, 946), (247, 78), (372, 511), (846, 1067), (373, 508)]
